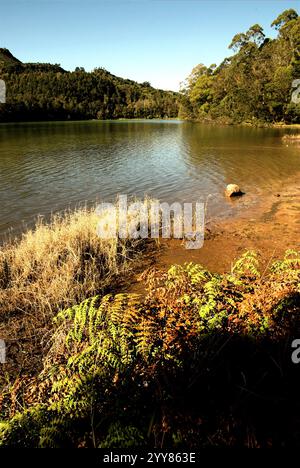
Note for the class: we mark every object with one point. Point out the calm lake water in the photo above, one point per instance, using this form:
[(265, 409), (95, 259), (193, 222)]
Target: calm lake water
[(47, 167)]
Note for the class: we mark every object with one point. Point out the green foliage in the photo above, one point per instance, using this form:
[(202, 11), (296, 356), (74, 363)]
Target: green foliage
[(287, 268), (247, 265), (37, 91), (254, 85), (119, 367), (24, 429), (122, 437)]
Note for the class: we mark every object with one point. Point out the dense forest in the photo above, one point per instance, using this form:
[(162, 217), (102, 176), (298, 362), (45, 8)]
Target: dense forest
[(38, 91), (253, 85)]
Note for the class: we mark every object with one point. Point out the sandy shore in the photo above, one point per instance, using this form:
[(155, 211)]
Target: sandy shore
[(270, 227)]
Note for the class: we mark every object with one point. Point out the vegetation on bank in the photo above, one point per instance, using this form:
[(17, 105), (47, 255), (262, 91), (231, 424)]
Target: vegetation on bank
[(39, 91), (203, 360), (52, 267), (255, 84)]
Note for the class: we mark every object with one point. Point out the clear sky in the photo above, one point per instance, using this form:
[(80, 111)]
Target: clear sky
[(145, 40)]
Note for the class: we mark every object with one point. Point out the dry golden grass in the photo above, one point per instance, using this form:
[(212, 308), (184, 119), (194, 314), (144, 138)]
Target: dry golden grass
[(54, 266)]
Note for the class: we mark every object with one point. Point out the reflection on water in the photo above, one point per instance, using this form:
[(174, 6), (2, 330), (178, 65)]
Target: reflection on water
[(45, 167)]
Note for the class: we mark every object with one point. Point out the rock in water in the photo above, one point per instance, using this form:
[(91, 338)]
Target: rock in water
[(233, 190)]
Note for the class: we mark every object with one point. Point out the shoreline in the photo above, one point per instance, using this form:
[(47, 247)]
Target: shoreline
[(35, 341), (277, 125), (268, 227), (268, 224), (271, 225), (254, 220)]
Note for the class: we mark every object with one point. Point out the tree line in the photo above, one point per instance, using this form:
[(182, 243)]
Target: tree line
[(48, 92), (254, 84)]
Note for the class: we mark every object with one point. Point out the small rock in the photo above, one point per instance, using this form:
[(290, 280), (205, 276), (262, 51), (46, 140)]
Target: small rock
[(233, 190)]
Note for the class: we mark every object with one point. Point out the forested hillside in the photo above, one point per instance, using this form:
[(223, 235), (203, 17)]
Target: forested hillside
[(43, 91), (254, 84)]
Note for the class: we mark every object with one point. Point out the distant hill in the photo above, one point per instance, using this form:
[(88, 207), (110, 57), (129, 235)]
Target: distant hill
[(44, 91), (6, 58), (9, 63)]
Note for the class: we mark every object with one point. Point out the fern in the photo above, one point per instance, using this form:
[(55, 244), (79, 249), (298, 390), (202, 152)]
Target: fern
[(108, 353), (122, 437), (247, 265), (289, 267)]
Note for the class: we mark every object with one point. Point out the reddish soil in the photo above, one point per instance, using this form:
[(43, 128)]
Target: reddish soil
[(270, 227)]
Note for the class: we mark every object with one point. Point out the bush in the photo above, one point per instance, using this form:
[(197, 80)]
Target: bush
[(203, 360)]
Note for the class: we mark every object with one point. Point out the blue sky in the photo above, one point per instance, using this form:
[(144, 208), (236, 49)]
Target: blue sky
[(146, 40)]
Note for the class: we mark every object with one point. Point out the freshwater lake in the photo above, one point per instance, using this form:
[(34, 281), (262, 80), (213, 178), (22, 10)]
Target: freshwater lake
[(47, 167)]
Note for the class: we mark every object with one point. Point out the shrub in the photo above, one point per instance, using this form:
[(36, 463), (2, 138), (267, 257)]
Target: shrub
[(202, 360)]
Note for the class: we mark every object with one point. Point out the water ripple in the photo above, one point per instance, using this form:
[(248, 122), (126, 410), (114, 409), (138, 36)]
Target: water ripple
[(50, 166)]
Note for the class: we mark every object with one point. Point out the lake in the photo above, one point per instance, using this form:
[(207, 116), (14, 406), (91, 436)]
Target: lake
[(49, 166)]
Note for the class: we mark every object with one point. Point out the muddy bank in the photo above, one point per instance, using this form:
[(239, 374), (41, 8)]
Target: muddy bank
[(270, 227)]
